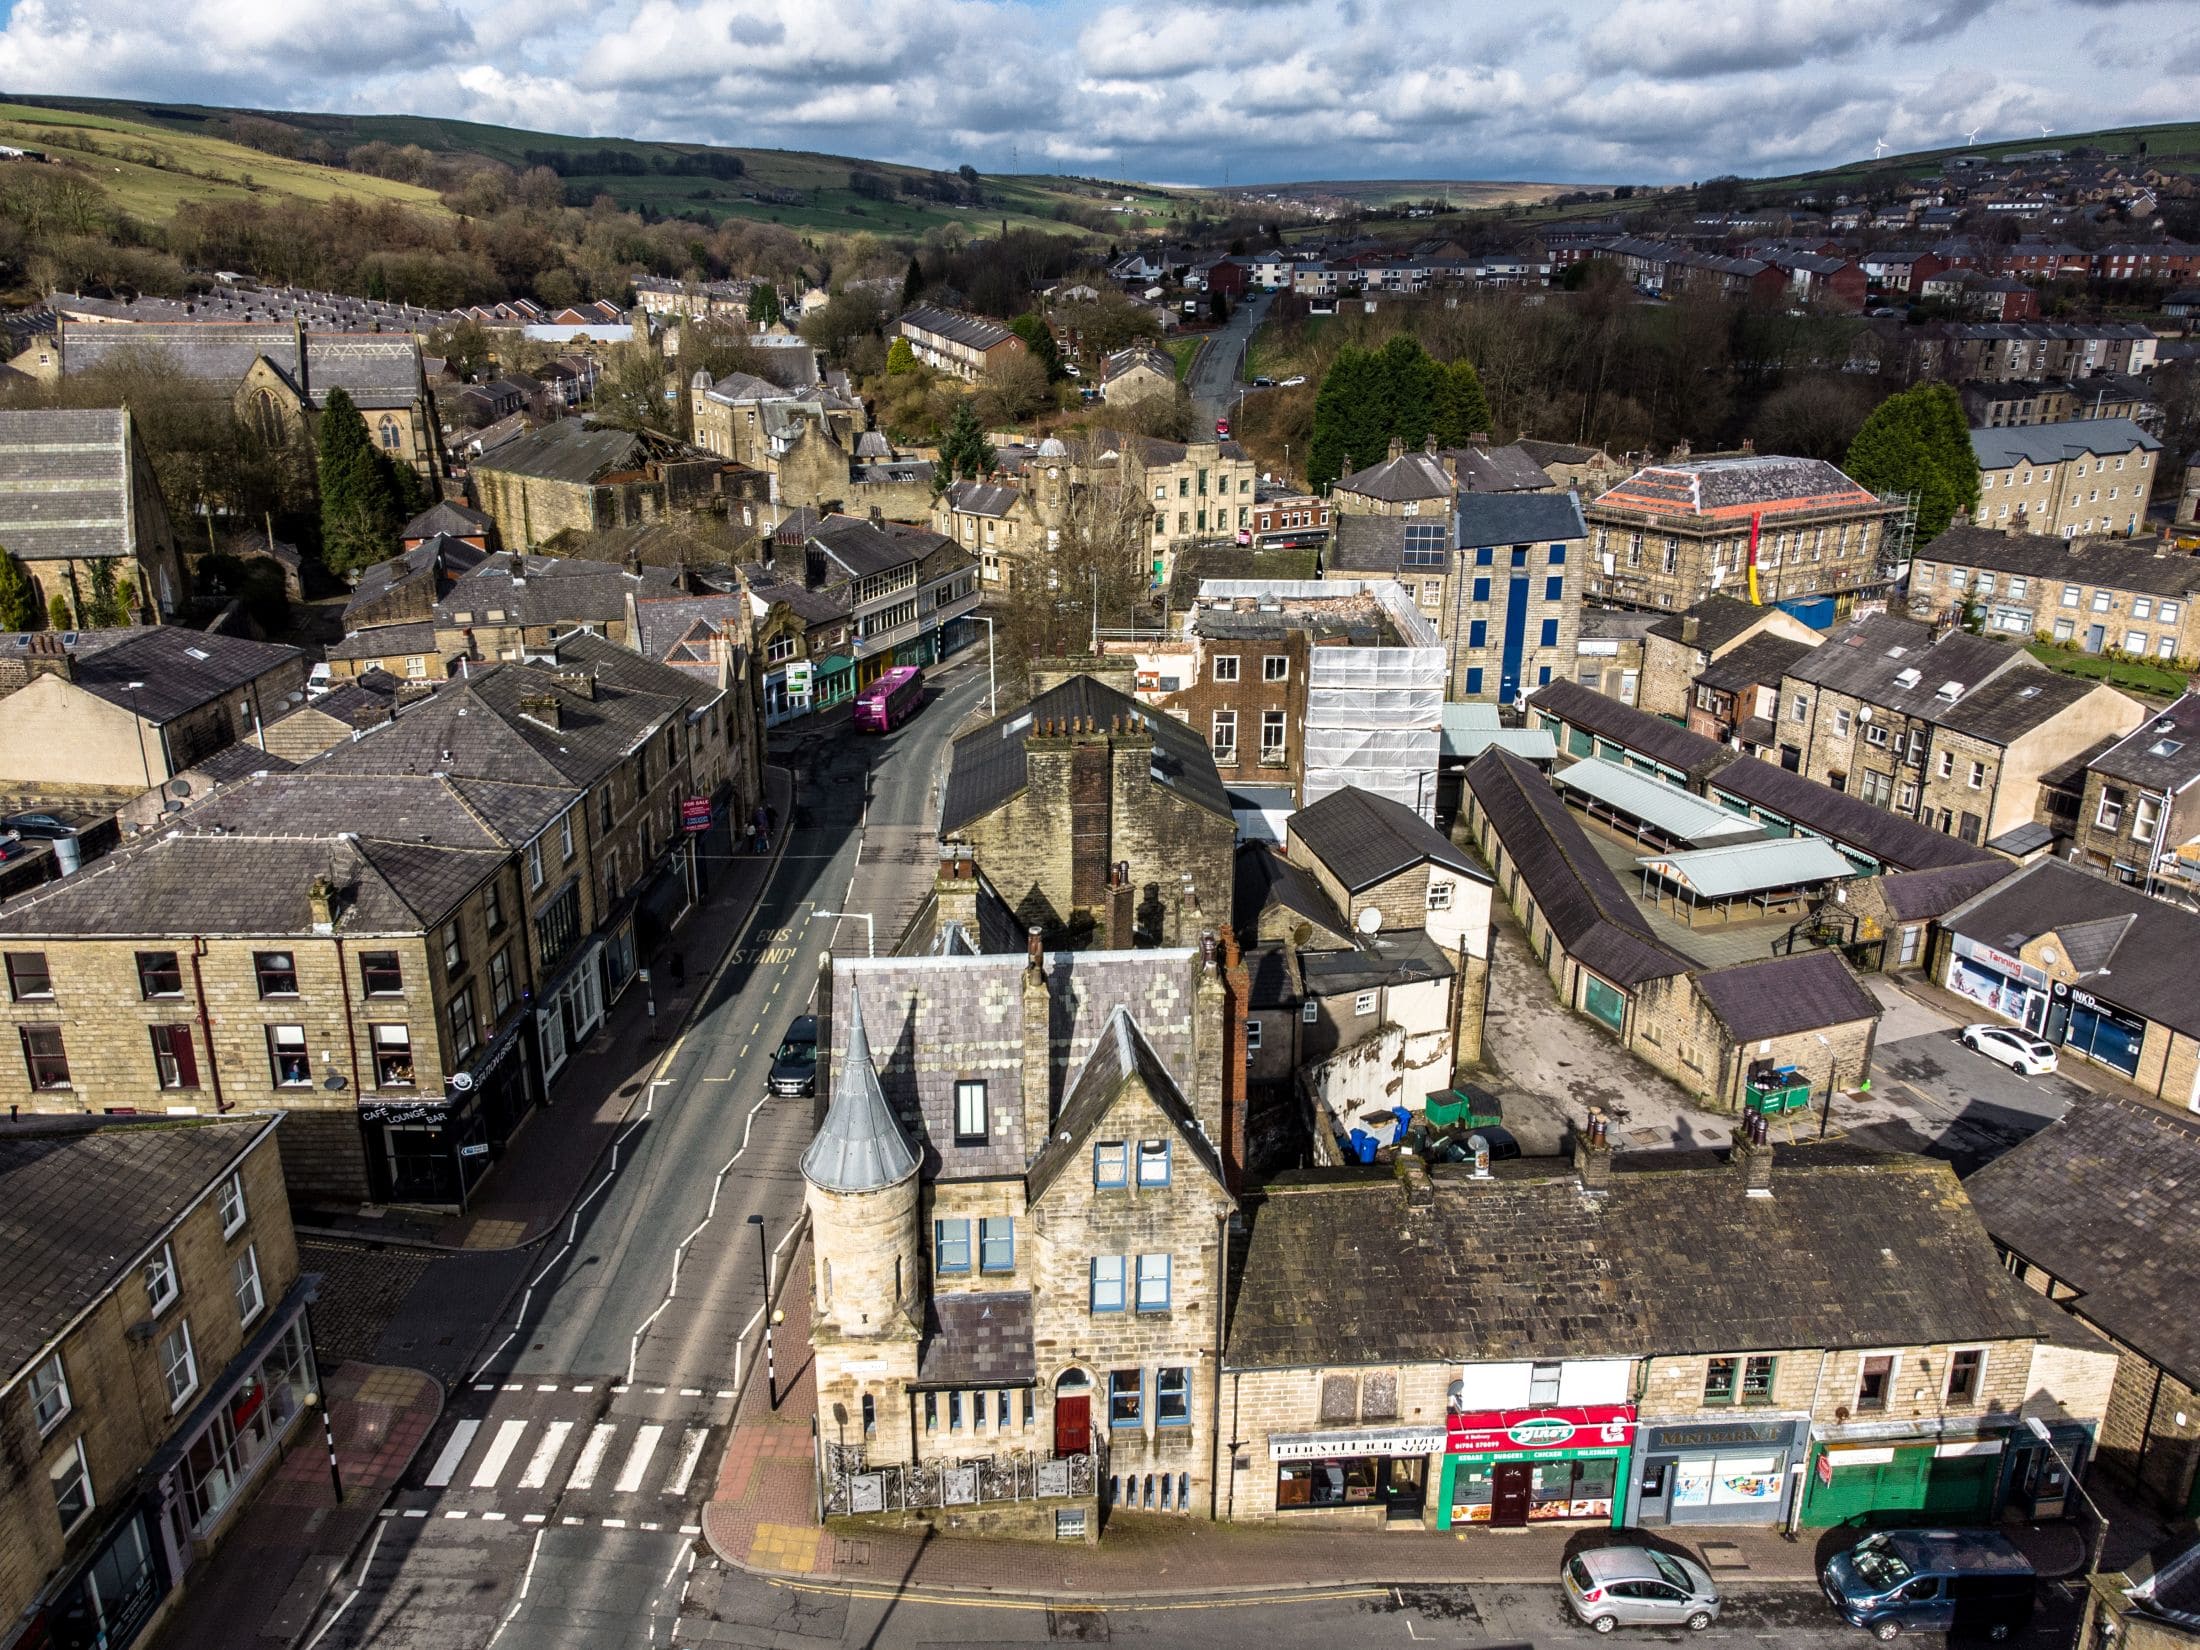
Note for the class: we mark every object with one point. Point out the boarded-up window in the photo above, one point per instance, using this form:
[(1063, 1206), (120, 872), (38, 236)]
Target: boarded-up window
[(1340, 1398), (1379, 1397)]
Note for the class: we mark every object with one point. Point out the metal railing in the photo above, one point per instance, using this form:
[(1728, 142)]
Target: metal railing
[(850, 1485)]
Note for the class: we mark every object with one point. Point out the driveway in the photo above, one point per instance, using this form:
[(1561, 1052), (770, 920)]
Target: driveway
[(1214, 378)]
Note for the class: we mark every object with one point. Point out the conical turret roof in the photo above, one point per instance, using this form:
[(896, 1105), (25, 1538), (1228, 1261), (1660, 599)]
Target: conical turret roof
[(860, 1148)]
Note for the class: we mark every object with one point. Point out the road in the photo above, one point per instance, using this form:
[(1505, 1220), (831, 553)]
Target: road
[(557, 1505), (726, 1608), (1214, 378)]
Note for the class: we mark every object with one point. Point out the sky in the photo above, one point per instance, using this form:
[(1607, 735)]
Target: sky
[(1571, 91)]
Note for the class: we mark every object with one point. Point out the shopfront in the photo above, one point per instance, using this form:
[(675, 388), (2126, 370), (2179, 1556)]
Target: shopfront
[(1716, 1470), (423, 1149), (570, 1010), (1366, 1468), (1945, 1479), (1997, 981), (2096, 1029), (1510, 1468), (106, 1605), (206, 1472)]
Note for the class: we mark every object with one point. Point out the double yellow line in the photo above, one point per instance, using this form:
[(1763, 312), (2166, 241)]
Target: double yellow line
[(966, 1601)]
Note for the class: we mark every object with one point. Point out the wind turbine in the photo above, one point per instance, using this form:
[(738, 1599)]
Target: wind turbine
[(2047, 131), (1971, 136), (1879, 148)]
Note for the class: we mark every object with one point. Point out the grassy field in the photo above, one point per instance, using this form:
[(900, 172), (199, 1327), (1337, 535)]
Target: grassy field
[(2135, 676), (796, 188), (2174, 146), (1465, 193), (150, 171), (1186, 351)]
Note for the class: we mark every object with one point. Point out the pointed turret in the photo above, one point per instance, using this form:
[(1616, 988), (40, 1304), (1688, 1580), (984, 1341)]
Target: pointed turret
[(861, 1147)]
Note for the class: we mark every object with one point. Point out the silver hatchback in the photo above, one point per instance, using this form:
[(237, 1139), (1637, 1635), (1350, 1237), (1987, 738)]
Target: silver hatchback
[(1612, 1587)]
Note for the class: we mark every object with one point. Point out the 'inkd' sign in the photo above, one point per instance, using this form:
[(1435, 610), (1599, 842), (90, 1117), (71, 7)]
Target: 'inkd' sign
[(1595, 1427)]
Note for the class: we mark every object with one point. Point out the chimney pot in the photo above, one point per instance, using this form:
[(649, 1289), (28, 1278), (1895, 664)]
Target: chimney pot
[(1034, 949)]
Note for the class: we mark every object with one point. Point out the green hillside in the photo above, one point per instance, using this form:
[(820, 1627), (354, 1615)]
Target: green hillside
[(790, 187), (2175, 147)]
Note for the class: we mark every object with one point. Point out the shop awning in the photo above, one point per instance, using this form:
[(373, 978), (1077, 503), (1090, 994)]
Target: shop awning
[(833, 663)]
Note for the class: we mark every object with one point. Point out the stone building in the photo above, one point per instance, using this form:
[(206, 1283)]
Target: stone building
[(2087, 475), (816, 470), (952, 341), (1198, 491), (1381, 1372), (1944, 727), (1133, 375), (2080, 1212), (279, 376), (1079, 783), (1403, 484), (1677, 648), (1020, 1217), (571, 476), (1011, 529), (2138, 817), (114, 524), (2137, 597), (753, 420), (139, 709), (1516, 594), (1772, 529), (155, 1361)]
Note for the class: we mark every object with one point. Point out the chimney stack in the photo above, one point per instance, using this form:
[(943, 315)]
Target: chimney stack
[(1121, 915), (47, 657), (1038, 1064), (544, 708), (321, 904), (1593, 1154), (1753, 1154), (1414, 1177), (1397, 447)]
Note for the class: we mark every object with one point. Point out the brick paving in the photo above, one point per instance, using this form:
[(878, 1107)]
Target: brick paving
[(273, 1565), (362, 1289)]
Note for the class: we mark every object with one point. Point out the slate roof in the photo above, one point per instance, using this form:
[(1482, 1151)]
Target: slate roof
[(537, 591), (1124, 361), (2148, 567), (2161, 753), (1573, 887), (2130, 950), (2014, 703), (445, 516), (1119, 1055), (1870, 658), (982, 498), (2095, 1198), (860, 1147), (1519, 518), (1261, 877), (1759, 662), (977, 1341), (1719, 619), (1364, 839), (860, 548), (973, 331), (988, 766), (1898, 843), (1913, 896), (1397, 956), (1366, 544), (566, 450), (386, 641), (1779, 996), (65, 483), (813, 607), (1874, 1251), (1637, 730), (1732, 489), (1407, 477), (180, 669), (2002, 446), (377, 369), (79, 1206), (1497, 470)]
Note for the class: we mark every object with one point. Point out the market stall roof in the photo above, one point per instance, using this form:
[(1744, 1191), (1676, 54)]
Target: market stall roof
[(1469, 730), (1738, 868), (1671, 811)]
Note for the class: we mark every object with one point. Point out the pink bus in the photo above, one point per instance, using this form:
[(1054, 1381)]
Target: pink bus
[(890, 701)]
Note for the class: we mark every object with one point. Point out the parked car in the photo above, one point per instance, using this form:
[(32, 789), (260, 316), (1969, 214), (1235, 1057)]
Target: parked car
[(1293, 382), (1965, 1582), (2018, 1050), (1222, 429), (1072, 369), (1610, 1587), (49, 827), (794, 1067), (1264, 383)]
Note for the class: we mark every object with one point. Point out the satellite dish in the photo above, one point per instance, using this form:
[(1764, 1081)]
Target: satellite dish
[(180, 787), (1368, 921)]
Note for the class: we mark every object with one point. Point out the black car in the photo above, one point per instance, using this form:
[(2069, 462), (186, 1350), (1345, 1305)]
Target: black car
[(794, 1067), (38, 825)]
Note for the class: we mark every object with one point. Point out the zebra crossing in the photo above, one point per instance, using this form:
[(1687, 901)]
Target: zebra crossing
[(527, 1466)]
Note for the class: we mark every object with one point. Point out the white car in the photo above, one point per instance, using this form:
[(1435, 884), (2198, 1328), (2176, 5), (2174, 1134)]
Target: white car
[(2018, 1050), (1293, 382)]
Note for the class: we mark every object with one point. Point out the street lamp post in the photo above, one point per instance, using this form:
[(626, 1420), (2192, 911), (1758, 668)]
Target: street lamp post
[(1825, 1112), (988, 623), (328, 1435), (764, 1260), (2038, 1429), (870, 927)]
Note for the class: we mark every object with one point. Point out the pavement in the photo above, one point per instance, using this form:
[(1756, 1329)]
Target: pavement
[(556, 1152), (267, 1576)]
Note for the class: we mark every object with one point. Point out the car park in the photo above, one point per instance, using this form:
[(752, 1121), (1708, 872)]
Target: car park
[(2017, 1049), (794, 1067), (1611, 1587), (1969, 1583)]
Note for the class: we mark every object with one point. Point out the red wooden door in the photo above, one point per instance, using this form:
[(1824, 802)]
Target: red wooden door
[(1072, 1423), (1509, 1486)]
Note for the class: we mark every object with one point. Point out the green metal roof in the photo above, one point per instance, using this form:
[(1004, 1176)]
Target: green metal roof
[(1667, 808), (1753, 867)]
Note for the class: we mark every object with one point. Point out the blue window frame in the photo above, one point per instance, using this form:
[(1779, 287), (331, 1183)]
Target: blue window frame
[(1172, 1397), (1483, 556), (1520, 555), (1554, 589), (1558, 555), (1107, 1283), (1474, 682), (1481, 590), (1478, 633), (1542, 675), (1126, 1397), (951, 1245), (997, 1244), (1550, 633), (1111, 1164), (1153, 1283), (1153, 1162)]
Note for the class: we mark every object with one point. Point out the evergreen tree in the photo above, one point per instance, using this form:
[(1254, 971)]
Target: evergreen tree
[(1461, 407), (912, 283), (1409, 382), (1038, 338), (900, 357), (1348, 420), (358, 495), (18, 603), (1919, 442), (107, 606), (764, 306), (965, 453), (57, 612)]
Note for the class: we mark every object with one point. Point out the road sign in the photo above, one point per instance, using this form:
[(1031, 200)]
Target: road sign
[(479, 1148)]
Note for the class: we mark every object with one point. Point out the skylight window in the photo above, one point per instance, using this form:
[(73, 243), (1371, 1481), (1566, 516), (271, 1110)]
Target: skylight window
[(2165, 747)]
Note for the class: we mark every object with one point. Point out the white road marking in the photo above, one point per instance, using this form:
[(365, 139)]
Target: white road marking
[(509, 1433), (526, 1579), (637, 1459), (592, 1454), (446, 1464), (691, 1529), (494, 1517), (691, 1392), (551, 1386), (416, 1512), (691, 1452), (613, 1523), (571, 1520), (532, 1518), (454, 1515), (545, 1456)]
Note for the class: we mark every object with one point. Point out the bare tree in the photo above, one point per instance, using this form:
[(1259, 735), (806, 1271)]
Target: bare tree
[(1092, 573)]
